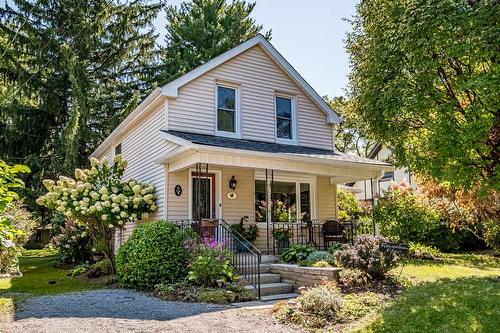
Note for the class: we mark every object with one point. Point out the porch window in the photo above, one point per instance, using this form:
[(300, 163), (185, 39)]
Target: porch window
[(226, 110), (285, 122), (287, 206)]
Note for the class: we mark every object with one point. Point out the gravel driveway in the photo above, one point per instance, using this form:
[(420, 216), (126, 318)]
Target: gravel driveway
[(129, 311)]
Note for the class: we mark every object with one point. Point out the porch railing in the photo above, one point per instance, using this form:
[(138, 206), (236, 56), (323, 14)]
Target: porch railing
[(309, 233), (246, 258)]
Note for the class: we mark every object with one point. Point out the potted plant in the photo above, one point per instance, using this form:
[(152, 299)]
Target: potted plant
[(282, 237), (245, 235)]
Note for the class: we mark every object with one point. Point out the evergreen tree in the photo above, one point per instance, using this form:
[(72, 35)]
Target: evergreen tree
[(71, 70), (200, 30)]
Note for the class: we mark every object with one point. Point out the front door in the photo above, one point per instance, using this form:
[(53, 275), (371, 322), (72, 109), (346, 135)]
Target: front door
[(203, 196)]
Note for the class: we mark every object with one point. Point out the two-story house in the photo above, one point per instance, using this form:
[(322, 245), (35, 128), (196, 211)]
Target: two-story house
[(241, 135)]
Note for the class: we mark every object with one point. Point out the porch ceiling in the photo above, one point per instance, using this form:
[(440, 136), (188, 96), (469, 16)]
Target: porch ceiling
[(339, 171)]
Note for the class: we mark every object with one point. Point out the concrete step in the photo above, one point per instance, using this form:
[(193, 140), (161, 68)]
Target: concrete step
[(252, 269), (264, 278), (278, 297), (273, 288), (269, 259)]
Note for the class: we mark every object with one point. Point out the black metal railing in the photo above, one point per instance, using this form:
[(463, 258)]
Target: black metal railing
[(311, 233), (246, 258)]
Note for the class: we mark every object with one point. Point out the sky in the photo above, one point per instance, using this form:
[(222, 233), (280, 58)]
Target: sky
[(310, 34)]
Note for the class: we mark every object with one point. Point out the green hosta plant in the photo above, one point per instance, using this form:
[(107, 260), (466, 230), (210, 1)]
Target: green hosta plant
[(99, 199), (296, 253)]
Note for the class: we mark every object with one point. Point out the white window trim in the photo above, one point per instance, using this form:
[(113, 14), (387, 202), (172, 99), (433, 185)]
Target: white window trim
[(218, 192), (297, 179), (237, 133), (294, 140)]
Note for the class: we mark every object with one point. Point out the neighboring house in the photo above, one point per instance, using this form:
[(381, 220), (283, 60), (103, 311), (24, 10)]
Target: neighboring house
[(364, 189), (222, 139)]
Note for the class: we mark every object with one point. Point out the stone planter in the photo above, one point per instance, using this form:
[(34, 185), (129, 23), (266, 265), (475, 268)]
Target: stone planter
[(305, 276)]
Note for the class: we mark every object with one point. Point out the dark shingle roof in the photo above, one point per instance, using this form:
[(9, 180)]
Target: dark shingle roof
[(269, 147)]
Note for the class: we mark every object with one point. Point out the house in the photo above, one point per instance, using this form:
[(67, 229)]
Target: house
[(243, 135), (365, 188)]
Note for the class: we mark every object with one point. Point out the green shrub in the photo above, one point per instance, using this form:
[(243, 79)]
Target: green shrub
[(420, 251), (334, 248), (367, 254), (79, 270), (316, 256), (323, 301), (405, 216), (153, 254), (100, 268), (296, 253), (16, 226), (321, 263), (348, 204), (74, 243), (211, 264), (353, 279), (492, 234)]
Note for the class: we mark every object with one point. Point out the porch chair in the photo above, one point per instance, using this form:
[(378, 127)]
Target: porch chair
[(333, 231)]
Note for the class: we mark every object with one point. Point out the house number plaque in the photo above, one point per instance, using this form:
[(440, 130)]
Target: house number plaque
[(178, 190)]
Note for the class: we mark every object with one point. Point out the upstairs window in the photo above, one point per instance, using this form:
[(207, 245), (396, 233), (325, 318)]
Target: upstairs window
[(118, 149), (226, 110), (284, 118)]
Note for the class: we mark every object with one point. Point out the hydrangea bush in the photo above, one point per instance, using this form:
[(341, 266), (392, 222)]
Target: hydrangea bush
[(99, 199)]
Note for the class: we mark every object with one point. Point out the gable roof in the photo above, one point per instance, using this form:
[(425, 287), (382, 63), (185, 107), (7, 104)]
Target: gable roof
[(171, 89)]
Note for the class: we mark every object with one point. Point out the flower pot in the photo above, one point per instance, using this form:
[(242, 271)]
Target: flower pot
[(282, 245)]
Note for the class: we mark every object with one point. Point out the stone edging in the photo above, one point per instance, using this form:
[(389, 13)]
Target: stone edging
[(305, 276)]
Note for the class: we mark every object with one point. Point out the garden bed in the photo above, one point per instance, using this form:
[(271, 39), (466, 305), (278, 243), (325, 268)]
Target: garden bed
[(300, 276)]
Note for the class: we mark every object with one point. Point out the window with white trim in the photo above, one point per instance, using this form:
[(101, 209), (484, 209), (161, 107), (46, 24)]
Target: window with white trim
[(285, 122), (227, 104), (118, 149)]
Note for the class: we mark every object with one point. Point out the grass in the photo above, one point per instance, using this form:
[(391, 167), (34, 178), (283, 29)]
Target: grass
[(459, 293), (39, 268)]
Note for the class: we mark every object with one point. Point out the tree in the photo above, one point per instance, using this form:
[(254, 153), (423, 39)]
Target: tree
[(100, 200), (16, 224), (200, 30), (71, 70), (350, 137), (466, 210), (424, 81)]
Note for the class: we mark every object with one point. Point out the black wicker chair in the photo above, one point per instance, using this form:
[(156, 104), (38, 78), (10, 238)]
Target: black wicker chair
[(333, 231)]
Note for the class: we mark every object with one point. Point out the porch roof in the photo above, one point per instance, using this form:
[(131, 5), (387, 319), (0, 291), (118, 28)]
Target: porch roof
[(327, 162)]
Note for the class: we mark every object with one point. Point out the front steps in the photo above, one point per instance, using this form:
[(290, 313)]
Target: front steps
[(271, 286)]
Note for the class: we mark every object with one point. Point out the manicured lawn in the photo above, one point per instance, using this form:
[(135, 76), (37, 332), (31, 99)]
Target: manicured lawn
[(38, 268), (460, 293)]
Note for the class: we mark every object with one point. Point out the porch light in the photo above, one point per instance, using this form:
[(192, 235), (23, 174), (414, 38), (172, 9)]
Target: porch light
[(233, 183)]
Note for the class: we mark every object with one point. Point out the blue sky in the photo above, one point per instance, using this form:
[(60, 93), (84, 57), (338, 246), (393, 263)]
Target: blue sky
[(310, 35)]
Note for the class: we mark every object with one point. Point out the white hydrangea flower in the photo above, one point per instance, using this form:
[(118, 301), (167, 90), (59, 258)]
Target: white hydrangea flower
[(94, 162), (104, 217)]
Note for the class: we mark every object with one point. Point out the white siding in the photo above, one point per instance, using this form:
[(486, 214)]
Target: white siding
[(259, 78), (142, 145)]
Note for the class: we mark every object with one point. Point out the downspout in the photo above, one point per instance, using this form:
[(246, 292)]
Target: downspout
[(376, 197)]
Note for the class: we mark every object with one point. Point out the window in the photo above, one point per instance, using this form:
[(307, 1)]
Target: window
[(118, 149), (287, 206), (284, 118), (226, 109)]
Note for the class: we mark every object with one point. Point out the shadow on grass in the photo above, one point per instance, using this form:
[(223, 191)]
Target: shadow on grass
[(460, 305)]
